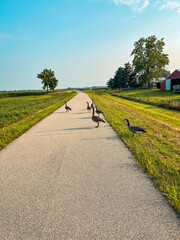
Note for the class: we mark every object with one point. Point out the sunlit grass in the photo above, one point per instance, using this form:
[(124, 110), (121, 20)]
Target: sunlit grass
[(158, 150), (17, 114), (159, 97)]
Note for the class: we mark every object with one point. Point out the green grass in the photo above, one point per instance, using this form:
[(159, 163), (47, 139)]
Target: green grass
[(157, 97), (20, 93), (18, 114), (158, 150)]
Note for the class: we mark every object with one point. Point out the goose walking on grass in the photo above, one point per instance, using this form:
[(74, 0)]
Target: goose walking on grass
[(88, 107), (135, 129), (97, 119), (67, 108), (98, 111)]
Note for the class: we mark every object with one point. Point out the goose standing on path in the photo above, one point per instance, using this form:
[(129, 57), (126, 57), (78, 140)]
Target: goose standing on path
[(98, 111), (97, 119), (135, 129), (88, 107), (67, 108)]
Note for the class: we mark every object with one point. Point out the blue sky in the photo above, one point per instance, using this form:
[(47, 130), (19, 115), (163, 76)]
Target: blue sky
[(83, 41)]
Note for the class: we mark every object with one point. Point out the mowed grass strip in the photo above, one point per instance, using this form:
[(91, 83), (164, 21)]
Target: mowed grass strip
[(18, 114), (167, 99), (158, 150)]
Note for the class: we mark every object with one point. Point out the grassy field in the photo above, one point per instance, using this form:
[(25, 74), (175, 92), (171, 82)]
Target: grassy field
[(157, 97), (158, 150), (17, 114), (20, 93)]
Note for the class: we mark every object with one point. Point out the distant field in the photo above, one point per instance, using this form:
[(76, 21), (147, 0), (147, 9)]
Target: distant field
[(17, 114), (158, 150), (162, 98), (21, 93)]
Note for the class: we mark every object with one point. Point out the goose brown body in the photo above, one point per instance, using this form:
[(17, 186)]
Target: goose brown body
[(135, 129), (96, 119), (98, 111), (67, 108)]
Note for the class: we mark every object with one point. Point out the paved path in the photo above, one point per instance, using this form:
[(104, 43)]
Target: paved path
[(65, 179)]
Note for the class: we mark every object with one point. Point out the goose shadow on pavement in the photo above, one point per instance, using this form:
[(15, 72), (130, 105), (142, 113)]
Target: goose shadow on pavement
[(66, 129), (72, 129), (58, 112), (85, 118), (79, 113), (108, 138)]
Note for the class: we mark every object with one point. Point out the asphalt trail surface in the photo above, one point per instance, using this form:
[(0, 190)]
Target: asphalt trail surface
[(65, 179)]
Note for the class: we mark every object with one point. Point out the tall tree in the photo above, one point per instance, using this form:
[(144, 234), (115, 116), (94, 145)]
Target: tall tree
[(119, 78), (48, 79), (130, 78), (149, 59), (124, 77), (110, 83)]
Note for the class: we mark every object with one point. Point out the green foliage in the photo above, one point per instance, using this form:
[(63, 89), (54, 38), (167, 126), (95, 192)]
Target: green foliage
[(120, 80), (165, 73), (158, 150), (129, 75), (123, 78), (53, 84), (18, 114), (149, 60), (48, 79), (110, 83)]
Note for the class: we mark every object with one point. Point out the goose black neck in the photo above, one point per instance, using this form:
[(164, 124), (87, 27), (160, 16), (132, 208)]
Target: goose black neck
[(93, 110), (128, 122)]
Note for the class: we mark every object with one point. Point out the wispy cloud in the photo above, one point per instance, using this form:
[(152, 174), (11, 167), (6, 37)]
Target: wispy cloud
[(136, 5), (171, 5), (141, 5), (10, 36)]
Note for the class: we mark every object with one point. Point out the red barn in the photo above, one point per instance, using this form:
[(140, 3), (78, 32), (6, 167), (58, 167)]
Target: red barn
[(172, 82)]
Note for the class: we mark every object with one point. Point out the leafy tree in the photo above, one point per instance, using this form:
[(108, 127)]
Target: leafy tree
[(119, 78), (117, 81), (53, 84), (48, 79), (124, 77), (165, 73), (110, 83), (130, 77), (149, 60)]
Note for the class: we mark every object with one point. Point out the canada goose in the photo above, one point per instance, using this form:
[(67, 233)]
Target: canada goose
[(88, 107), (97, 119), (67, 108), (135, 129), (98, 111)]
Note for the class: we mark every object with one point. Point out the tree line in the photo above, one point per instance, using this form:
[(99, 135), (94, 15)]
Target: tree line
[(149, 62)]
